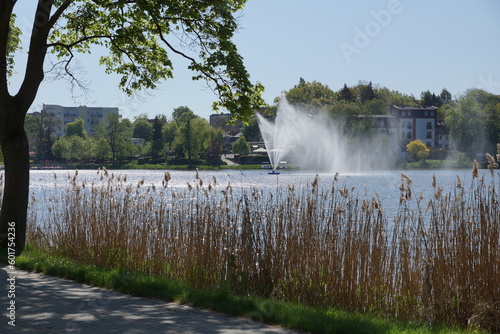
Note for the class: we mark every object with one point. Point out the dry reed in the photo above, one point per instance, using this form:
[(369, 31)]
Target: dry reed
[(436, 261)]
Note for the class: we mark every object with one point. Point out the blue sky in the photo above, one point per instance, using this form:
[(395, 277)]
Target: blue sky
[(404, 45)]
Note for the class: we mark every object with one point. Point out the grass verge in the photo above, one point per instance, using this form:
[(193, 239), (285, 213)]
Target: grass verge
[(285, 314)]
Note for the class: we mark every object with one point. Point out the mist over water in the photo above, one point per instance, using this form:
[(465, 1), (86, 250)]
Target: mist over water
[(317, 143)]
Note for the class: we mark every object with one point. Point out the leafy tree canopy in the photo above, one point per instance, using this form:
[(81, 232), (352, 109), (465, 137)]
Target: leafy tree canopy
[(142, 37), (311, 95), (142, 129), (252, 130), (181, 113), (366, 92), (345, 94), (76, 128), (13, 44), (418, 149), (240, 146)]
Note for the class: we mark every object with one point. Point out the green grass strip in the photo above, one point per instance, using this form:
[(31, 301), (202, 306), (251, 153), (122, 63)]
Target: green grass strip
[(285, 314)]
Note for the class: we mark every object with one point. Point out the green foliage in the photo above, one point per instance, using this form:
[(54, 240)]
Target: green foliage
[(40, 128), (311, 96), (193, 137), (143, 129), (445, 96), (76, 128), (492, 120), (132, 30), (428, 99), (157, 143), (182, 113), (113, 134), (74, 148), (101, 148), (251, 131), (169, 131), (13, 44), (366, 92), (348, 104), (346, 115), (462, 161), (346, 94), (240, 146), (418, 149), (214, 150), (392, 97), (466, 123)]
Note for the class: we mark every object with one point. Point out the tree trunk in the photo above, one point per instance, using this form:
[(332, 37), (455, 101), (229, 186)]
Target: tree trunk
[(13, 109), (14, 144)]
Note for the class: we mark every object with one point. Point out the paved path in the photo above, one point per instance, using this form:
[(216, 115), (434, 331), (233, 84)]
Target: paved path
[(49, 305), (225, 158)]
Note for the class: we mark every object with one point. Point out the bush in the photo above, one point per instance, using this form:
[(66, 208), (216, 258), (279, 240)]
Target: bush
[(240, 146), (418, 150)]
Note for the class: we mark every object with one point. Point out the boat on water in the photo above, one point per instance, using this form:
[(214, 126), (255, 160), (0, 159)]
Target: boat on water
[(274, 172)]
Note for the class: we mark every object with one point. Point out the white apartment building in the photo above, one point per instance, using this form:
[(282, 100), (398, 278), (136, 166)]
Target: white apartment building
[(416, 123), (90, 115)]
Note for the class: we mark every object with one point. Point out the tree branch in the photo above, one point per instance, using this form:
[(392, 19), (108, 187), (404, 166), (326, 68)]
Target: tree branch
[(81, 40), (36, 55), (58, 13), (215, 80), (6, 8)]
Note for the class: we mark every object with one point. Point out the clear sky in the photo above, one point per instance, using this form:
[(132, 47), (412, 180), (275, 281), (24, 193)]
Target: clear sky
[(405, 45)]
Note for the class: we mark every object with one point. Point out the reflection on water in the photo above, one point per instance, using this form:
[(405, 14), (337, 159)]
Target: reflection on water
[(383, 185)]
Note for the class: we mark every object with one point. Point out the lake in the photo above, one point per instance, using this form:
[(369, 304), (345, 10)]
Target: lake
[(384, 185)]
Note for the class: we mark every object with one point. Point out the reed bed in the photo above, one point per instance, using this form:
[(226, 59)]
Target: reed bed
[(436, 260)]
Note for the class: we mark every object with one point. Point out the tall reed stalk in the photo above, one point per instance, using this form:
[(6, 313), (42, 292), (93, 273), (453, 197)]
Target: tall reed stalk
[(435, 261)]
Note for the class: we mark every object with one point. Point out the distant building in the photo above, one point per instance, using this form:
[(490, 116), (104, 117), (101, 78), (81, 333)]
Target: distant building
[(222, 121), (414, 123), (90, 115), (231, 131), (405, 124)]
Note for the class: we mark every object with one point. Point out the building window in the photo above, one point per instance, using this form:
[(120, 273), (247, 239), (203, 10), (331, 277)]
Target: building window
[(408, 135), (429, 135), (429, 125)]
